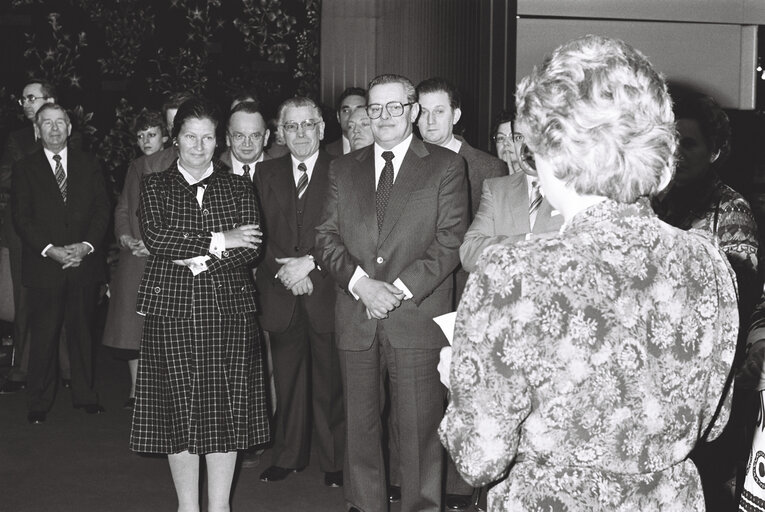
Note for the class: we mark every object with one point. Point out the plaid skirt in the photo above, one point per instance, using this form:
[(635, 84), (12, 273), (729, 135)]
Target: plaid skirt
[(200, 383)]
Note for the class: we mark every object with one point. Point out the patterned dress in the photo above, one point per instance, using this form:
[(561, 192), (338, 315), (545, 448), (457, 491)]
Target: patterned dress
[(587, 365), (200, 383)]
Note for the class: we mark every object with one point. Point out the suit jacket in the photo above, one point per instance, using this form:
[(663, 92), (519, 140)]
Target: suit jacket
[(424, 224), (503, 216), (225, 157), (41, 217), (278, 196), (335, 148), (174, 227), (480, 166)]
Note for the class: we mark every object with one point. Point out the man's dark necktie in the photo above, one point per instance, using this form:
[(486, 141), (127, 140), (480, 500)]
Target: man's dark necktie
[(383, 188), (246, 168), (303, 181), (60, 176)]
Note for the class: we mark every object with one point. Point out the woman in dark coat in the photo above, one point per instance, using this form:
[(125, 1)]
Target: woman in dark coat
[(200, 375)]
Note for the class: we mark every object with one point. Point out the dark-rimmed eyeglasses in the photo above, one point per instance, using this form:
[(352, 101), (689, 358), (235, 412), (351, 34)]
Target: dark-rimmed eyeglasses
[(394, 108), (31, 98), (308, 124), (502, 138), (241, 137)]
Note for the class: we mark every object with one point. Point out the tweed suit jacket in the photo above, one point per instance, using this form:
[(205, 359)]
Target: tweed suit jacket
[(175, 227), (41, 217), (277, 194), (503, 217), (424, 223), (480, 166)]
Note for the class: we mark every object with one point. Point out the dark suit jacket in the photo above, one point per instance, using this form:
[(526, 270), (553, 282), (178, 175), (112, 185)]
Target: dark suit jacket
[(41, 217), (225, 157), (335, 148), (425, 221), (174, 227), (277, 193), (503, 216), (480, 166)]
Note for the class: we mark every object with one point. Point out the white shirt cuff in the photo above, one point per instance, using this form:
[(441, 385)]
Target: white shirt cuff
[(217, 245), (90, 246), (197, 264), (358, 274), (46, 250), (398, 283)]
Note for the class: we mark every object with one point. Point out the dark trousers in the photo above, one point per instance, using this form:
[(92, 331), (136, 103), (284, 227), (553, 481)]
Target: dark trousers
[(71, 305), (418, 400), (21, 333), (308, 387)]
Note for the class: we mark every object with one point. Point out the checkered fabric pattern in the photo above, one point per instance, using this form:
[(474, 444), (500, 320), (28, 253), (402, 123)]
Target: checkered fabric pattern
[(200, 380)]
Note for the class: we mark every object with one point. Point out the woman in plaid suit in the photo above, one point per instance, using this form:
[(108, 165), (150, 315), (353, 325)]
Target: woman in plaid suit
[(200, 376)]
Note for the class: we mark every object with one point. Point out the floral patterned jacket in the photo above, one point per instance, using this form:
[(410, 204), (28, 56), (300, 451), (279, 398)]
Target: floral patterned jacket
[(588, 364)]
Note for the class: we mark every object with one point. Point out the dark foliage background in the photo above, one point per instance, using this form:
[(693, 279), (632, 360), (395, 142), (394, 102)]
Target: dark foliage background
[(110, 58)]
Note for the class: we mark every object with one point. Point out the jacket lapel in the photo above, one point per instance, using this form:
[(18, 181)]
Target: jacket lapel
[(282, 185), (364, 181), (316, 191), (408, 179), (47, 180)]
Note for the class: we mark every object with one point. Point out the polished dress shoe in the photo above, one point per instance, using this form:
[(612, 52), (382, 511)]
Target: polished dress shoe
[(91, 408), (458, 501), (333, 478), (251, 457), (36, 417), (394, 493), (12, 386), (275, 473), (67, 383)]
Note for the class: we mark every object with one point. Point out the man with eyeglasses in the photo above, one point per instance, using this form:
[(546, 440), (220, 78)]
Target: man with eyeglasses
[(246, 135), (390, 235), (512, 207), (350, 99), (297, 297), (19, 144), (61, 211)]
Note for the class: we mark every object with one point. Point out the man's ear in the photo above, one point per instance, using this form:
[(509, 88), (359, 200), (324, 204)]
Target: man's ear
[(457, 115), (414, 112)]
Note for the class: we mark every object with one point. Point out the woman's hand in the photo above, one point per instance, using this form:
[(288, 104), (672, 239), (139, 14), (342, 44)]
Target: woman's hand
[(248, 235), (139, 249)]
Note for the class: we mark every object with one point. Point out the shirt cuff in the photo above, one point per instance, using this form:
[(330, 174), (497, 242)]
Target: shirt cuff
[(89, 246), (358, 274), (398, 283), (46, 250), (217, 245)]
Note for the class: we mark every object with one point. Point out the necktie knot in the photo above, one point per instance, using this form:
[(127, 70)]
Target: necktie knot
[(388, 155), (57, 158), (302, 167)]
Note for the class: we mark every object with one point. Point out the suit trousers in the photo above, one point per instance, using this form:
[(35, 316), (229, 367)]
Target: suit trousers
[(418, 401), (21, 333), (306, 375), (72, 305)]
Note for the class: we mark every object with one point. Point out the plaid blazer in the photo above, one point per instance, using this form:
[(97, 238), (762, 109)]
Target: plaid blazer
[(175, 227)]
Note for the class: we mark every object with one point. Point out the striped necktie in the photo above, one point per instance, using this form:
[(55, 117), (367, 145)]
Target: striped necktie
[(535, 199), (303, 181), (60, 176)]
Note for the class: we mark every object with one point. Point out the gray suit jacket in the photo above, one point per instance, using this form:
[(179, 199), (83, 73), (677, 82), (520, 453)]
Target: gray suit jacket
[(480, 166), (419, 241), (225, 157), (503, 216)]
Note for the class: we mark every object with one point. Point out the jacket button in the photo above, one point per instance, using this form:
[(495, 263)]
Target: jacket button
[(205, 212), (185, 235), (157, 289), (224, 254), (380, 260), (244, 288)]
